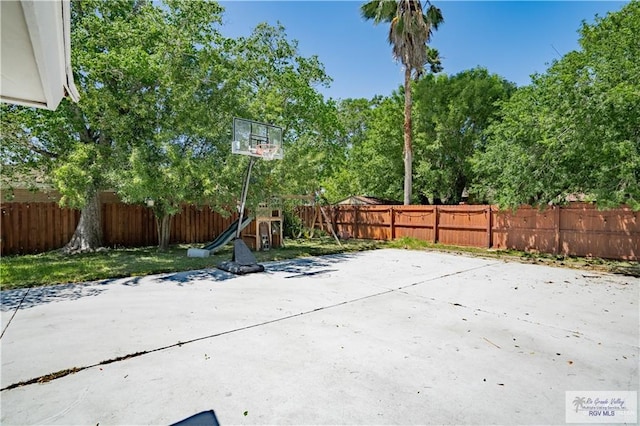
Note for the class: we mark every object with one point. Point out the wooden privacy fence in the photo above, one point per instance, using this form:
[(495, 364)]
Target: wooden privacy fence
[(575, 230), (39, 227)]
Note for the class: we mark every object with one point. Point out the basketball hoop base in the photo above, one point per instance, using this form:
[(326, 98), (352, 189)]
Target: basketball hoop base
[(243, 262), (238, 269)]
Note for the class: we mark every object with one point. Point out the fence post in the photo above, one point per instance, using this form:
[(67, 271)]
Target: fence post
[(436, 220), (489, 226), (393, 222), (356, 230), (556, 220)]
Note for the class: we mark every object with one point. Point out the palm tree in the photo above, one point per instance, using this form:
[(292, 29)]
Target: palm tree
[(410, 31)]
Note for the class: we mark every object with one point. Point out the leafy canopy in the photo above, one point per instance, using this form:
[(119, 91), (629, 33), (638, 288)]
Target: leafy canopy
[(451, 115), (574, 130)]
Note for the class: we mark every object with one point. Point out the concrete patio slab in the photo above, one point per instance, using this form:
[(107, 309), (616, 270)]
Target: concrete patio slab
[(380, 337)]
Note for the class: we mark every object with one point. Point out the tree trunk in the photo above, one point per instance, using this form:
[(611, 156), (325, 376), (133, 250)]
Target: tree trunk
[(88, 234), (164, 231), (460, 185), (408, 150)]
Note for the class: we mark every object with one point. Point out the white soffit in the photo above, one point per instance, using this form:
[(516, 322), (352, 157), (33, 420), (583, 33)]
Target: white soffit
[(35, 54)]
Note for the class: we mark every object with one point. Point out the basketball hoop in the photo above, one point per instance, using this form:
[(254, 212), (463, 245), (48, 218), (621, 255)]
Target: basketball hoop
[(256, 139), (267, 151)]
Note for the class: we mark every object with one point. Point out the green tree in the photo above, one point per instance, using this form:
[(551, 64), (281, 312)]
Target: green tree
[(142, 69), (410, 31), (371, 166), (154, 122), (353, 116), (279, 86), (574, 130), (182, 158), (451, 114)]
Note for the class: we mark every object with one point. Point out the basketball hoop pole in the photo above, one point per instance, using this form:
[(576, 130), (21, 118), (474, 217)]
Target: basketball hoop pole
[(245, 189)]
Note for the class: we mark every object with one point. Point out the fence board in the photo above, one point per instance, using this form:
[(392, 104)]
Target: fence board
[(463, 225), (415, 222), (576, 229), (49, 220), (42, 226), (28, 218)]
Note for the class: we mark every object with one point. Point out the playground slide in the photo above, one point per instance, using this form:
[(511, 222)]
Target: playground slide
[(225, 237)]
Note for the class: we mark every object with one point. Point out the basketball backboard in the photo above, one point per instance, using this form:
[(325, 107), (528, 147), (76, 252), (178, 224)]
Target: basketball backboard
[(256, 139)]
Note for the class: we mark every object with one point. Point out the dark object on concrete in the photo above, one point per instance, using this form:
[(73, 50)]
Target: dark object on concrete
[(236, 268), (205, 418), (243, 262)]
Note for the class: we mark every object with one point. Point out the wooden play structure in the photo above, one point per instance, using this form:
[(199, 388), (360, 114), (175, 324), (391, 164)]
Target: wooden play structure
[(266, 231)]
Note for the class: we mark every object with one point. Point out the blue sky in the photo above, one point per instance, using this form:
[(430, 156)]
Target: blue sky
[(511, 38)]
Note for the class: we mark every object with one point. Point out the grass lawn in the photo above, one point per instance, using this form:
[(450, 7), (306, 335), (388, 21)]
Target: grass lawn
[(55, 268), (592, 264)]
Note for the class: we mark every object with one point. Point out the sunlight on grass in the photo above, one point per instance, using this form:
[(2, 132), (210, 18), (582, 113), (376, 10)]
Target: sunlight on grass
[(54, 268)]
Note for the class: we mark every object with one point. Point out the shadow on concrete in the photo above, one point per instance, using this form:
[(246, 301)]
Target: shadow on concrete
[(10, 299), (205, 418), (309, 265), (35, 296), (182, 278)]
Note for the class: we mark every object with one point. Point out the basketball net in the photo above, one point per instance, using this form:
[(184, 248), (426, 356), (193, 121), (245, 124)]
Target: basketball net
[(267, 151)]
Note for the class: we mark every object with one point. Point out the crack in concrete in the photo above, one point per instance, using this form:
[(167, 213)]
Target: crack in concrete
[(66, 372), (15, 312)]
